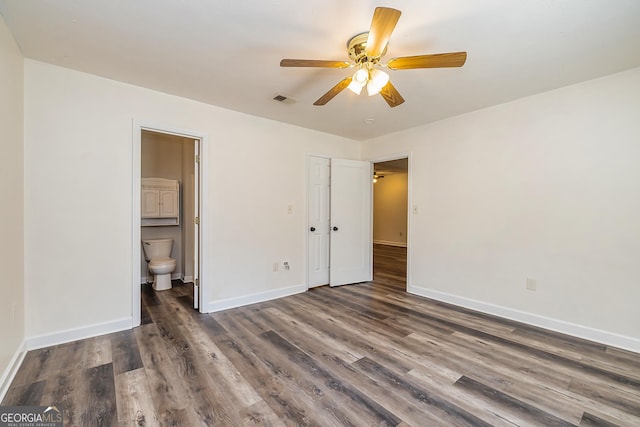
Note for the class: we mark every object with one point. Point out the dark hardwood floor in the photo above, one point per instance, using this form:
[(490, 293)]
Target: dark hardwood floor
[(360, 355)]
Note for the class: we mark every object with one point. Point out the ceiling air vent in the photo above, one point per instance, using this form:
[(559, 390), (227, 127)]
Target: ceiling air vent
[(284, 99)]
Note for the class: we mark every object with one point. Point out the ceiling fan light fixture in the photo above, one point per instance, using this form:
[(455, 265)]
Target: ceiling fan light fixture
[(365, 51), (358, 81), (377, 80)]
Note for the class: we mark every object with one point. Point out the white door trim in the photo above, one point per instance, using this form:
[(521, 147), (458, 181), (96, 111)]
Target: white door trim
[(136, 171), (398, 156)]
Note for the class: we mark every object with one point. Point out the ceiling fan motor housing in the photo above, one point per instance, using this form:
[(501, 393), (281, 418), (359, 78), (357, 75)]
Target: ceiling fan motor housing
[(356, 48)]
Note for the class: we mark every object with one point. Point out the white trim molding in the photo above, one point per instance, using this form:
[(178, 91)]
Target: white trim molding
[(225, 304), (69, 335), (573, 329), (10, 372)]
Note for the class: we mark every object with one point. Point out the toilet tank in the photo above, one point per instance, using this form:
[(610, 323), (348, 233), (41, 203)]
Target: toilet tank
[(157, 248)]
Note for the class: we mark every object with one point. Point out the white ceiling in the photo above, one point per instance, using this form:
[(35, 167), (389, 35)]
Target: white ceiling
[(227, 53)]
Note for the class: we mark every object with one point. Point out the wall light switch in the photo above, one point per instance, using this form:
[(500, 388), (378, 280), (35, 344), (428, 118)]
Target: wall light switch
[(289, 209), (415, 209)]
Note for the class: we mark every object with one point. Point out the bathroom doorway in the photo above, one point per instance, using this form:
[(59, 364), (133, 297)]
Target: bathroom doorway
[(168, 156), (391, 221)]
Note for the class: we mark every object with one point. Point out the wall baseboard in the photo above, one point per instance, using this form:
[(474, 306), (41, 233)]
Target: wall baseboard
[(573, 329), (225, 304), (390, 243), (187, 279), (79, 333), (10, 372)]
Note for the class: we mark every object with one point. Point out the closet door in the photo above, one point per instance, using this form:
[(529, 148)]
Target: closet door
[(351, 250), (318, 221)]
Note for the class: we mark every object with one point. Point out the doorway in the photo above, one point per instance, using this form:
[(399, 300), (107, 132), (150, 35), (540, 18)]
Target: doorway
[(338, 221), (390, 222), (171, 156)]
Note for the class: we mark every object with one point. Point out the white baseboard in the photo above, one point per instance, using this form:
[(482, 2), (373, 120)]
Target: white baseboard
[(225, 304), (74, 334), (187, 279), (390, 243), (11, 370), (573, 329)]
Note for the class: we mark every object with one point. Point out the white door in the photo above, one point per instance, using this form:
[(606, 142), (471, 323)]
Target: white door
[(318, 221), (196, 226), (351, 249)]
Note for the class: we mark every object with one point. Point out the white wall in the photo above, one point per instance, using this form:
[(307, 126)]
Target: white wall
[(546, 187), (390, 210), (78, 155), (11, 199)]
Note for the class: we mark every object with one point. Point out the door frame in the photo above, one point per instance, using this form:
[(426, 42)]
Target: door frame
[(387, 158), (136, 168)]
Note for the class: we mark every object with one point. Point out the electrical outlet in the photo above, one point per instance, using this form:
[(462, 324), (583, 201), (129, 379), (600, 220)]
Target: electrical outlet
[(532, 284), (276, 266), (286, 265)]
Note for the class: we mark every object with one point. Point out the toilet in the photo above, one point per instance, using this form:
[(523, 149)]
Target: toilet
[(157, 252)]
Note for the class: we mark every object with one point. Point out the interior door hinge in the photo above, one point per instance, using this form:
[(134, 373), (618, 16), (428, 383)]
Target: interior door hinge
[(198, 220), (197, 281), (197, 158)]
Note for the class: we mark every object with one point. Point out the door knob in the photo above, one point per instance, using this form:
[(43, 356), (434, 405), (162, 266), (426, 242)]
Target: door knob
[(312, 229), (335, 228)]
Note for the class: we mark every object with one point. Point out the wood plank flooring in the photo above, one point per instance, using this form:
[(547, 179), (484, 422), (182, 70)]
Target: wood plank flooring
[(361, 355)]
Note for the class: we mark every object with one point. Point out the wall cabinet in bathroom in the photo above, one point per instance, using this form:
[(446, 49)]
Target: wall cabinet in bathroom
[(160, 202)]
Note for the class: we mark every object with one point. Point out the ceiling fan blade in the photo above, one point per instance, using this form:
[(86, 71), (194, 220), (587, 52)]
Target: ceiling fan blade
[(333, 91), (436, 60), (313, 63), (391, 95), (382, 25)]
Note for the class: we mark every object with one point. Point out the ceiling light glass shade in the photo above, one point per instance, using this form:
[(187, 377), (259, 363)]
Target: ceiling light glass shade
[(358, 81), (377, 80)]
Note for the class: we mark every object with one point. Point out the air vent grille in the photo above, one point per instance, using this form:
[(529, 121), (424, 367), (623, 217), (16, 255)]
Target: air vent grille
[(284, 99)]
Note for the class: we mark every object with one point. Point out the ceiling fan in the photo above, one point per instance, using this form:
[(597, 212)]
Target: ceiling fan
[(365, 50)]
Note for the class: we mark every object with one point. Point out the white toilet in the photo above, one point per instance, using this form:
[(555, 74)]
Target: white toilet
[(157, 252)]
